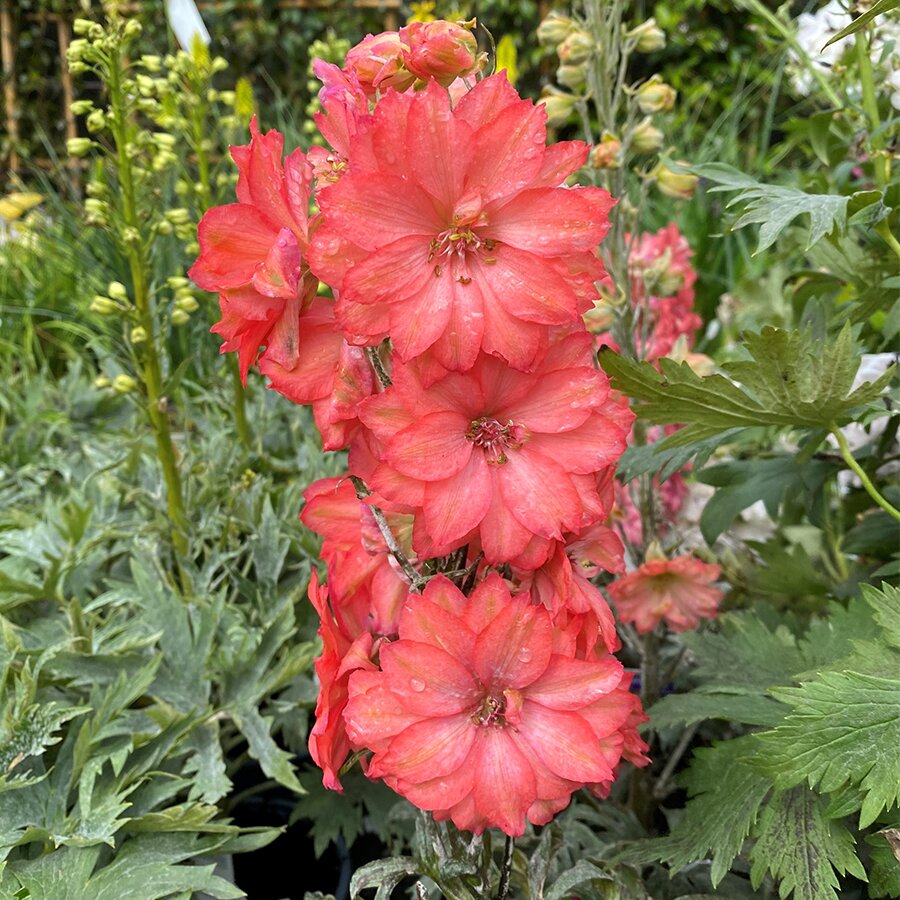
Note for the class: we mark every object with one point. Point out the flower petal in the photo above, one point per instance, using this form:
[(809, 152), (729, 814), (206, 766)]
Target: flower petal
[(427, 680), (514, 649), (539, 494), (433, 448), (574, 683), (504, 780), (454, 506), (430, 748)]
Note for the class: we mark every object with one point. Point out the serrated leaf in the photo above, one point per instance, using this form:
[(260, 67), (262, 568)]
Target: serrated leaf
[(878, 9), (726, 793), (885, 605), (651, 459), (274, 761), (332, 815), (801, 848), (884, 872), (773, 207), (687, 709), (582, 873), (844, 728), (791, 380), (270, 546)]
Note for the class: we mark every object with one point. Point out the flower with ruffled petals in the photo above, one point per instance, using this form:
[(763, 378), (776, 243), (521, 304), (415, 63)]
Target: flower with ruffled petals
[(449, 230), (440, 50), (481, 712), (678, 591), (497, 454)]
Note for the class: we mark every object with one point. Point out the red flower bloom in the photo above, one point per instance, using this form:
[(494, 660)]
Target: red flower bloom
[(482, 713), (498, 454), (449, 231), (678, 591)]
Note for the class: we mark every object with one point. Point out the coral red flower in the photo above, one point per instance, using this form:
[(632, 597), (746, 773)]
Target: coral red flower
[(497, 454), (481, 712), (449, 231), (440, 50), (679, 591)]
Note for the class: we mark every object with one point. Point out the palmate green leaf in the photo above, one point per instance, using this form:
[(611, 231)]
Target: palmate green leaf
[(801, 847), (687, 709), (884, 872), (885, 605), (844, 728), (726, 793), (791, 380), (274, 761), (773, 207), (331, 815), (877, 9)]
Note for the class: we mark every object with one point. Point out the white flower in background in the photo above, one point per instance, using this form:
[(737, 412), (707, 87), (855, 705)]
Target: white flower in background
[(186, 22), (814, 30), (894, 83)]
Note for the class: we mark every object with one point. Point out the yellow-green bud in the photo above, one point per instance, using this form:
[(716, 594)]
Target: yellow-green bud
[(679, 185), (219, 64), (132, 28), (76, 49), (226, 97), (117, 291), (177, 281), (184, 291), (151, 62), (178, 216), (81, 107), (607, 154), (164, 228), (101, 382), (559, 106), (138, 334), (164, 140), (572, 77), (97, 34), (96, 121), (124, 384), (79, 146), (646, 137), (188, 304), (77, 67), (192, 248), (655, 96), (82, 26), (554, 30), (649, 37), (103, 306), (180, 317), (576, 48)]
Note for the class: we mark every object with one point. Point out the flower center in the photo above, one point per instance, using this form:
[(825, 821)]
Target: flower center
[(455, 245), (499, 709), (495, 439)]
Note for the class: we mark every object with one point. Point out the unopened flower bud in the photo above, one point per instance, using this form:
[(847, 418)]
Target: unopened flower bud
[(96, 121), (572, 77), (177, 281), (133, 28), (124, 384), (164, 228), (82, 26), (101, 382), (646, 137), (81, 107), (679, 185), (180, 317), (188, 304), (576, 48), (103, 306), (559, 106), (178, 216), (655, 96), (151, 63), (117, 291), (554, 30), (138, 334), (79, 146), (649, 37), (76, 49), (606, 154), (440, 50), (77, 67)]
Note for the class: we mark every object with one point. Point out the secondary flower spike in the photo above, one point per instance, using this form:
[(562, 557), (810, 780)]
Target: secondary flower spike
[(449, 230), (483, 714)]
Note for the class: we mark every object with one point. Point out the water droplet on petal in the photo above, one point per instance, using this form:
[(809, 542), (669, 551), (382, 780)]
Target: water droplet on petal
[(417, 684), (525, 655)]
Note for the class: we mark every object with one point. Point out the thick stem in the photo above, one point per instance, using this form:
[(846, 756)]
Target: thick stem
[(506, 869), (152, 369), (860, 473), (870, 107)]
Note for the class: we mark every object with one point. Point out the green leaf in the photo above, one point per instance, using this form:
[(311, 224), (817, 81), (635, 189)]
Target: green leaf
[(790, 380), (885, 604), (844, 728), (652, 459), (331, 814), (582, 873), (686, 709), (773, 207), (802, 848), (274, 761), (270, 547), (725, 796), (385, 874), (879, 8), (884, 872)]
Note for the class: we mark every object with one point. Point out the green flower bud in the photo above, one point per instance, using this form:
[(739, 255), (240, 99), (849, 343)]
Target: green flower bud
[(96, 121), (646, 137), (101, 382), (554, 30), (572, 77), (164, 228), (103, 306), (78, 68), (678, 185), (648, 36), (655, 96), (576, 48), (79, 146), (559, 106), (117, 291), (180, 317), (151, 63), (188, 304), (124, 384), (76, 49), (138, 334), (177, 281), (81, 107), (178, 216), (133, 28), (82, 26)]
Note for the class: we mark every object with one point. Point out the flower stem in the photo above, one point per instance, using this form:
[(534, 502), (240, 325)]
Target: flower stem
[(152, 369), (506, 869), (858, 470)]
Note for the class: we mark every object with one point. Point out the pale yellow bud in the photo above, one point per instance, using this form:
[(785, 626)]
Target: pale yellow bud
[(82, 26), (117, 291), (178, 216), (576, 48), (646, 137), (81, 107), (96, 121), (655, 96), (177, 281), (101, 382), (103, 306), (79, 146), (572, 77), (679, 185), (649, 37), (133, 28), (180, 317), (558, 104), (124, 384), (138, 334), (554, 30), (151, 62), (188, 304)]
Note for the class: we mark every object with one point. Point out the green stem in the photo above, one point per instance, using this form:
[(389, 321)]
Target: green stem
[(870, 107), (152, 369), (858, 470), (884, 230)]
